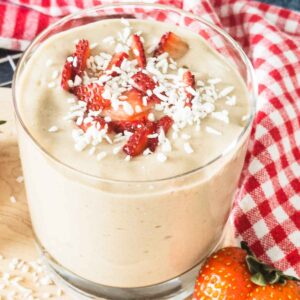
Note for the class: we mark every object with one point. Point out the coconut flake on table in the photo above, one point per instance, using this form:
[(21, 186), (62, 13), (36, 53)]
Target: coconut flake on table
[(19, 179), (13, 199)]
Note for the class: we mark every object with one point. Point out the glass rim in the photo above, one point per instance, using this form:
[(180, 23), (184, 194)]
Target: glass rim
[(223, 33)]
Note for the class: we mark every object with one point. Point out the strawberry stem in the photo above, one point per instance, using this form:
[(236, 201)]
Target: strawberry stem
[(263, 274)]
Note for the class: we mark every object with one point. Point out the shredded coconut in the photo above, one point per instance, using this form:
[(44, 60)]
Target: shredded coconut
[(170, 89), (19, 179), (187, 148), (212, 130), (53, 129), (101, 155), (13, 199), (161, 157)]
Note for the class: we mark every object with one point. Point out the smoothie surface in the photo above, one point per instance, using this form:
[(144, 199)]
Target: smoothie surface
[(45, 106)]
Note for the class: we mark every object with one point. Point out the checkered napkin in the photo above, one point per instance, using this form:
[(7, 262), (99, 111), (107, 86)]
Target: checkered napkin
[(267, 207)]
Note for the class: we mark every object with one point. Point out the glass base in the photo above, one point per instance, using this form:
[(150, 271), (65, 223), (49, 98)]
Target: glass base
[(178, 288)]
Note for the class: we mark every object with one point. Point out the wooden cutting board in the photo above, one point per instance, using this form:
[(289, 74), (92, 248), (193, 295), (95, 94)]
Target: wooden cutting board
[(17, 248), (16, 238)]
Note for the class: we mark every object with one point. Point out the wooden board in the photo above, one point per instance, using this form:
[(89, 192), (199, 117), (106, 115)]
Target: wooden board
[(17, 247), (16, 238)]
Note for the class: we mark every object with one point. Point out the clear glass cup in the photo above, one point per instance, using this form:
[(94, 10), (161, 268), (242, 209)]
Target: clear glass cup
[(151, 243)]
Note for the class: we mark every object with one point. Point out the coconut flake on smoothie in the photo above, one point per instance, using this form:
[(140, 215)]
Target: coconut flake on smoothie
[(138, 101), (144, 96)]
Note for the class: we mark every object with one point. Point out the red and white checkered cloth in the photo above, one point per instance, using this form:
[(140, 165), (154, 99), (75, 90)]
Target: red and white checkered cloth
[(267, 209)]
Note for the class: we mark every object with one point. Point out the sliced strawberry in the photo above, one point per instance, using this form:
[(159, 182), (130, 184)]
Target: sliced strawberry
[(143, 81), (138, 51), (131, 126), (173, 44), (121, 126), (164, 124), (96, 121), (82, 53), (134, 108), (66, 75), (138, 142), (189, 80), (92, 95), (117, 60)]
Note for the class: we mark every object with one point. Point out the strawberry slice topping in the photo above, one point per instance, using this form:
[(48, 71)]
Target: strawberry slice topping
[(131, 126), (164, 124), (143, 82), (189, 80), (116, 61), (82, 53), (173, 44), (92, 95), (137, 49), (131, 109), (138, 142), (67, 74), (77, 66)]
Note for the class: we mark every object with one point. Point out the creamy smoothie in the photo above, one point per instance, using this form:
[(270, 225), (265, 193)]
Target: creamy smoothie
[(116, 209)]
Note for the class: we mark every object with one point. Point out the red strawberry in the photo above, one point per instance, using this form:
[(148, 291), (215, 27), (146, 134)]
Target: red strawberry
[(81, 55), (92, 95), (235, 273), (138, 51), (67, 74), (117, 60), (135, 101), (189, 80), (224, 276), (164, 123), (289, 290), (138, 142), (121, 126), (143, 81), (173, 44)]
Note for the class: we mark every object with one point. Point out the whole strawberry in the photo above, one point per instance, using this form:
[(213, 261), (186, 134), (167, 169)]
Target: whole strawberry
[(235, 273)]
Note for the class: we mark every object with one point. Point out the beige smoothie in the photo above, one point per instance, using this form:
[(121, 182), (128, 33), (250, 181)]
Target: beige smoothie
[(130, 220)]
